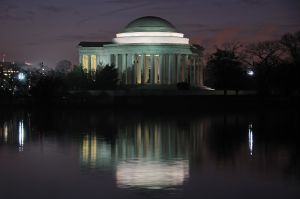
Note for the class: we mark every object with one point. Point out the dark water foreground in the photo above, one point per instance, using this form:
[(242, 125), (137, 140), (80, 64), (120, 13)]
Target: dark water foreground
[(141, 154)]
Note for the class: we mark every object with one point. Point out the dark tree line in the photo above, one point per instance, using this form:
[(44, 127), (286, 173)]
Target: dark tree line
[(225, 70), (59, 82), (270, 67)]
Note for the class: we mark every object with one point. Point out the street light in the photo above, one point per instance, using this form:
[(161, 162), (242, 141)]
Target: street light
[(250, 72)]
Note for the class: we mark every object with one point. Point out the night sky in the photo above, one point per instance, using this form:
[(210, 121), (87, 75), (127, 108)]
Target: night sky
[(49, 31)]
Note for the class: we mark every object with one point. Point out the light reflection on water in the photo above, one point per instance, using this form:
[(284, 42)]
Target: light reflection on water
[(250, 139), (150, 154), (143, 156), (152, 174), (21, 135)]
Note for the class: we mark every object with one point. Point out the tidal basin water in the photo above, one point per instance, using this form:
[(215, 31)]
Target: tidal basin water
[(138, 154)]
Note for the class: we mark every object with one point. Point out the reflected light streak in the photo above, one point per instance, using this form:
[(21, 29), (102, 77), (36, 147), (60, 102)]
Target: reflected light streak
[(152, 175), (5, 132), (85, 148), (250, 139), (93, 151), (21, 135)]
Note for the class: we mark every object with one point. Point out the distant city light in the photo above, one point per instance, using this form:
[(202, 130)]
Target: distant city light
[(21, 76)]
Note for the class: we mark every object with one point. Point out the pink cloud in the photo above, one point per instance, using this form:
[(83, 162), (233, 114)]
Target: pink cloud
[(226, 35), (266, 32)]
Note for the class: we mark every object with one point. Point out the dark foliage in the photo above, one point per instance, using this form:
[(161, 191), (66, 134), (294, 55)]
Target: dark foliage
[(225, 71), (107, 78), (48, 87), (77, 79), (183, 86)]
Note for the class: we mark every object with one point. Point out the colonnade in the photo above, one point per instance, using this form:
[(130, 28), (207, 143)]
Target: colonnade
[(158, 68), (144, 69)]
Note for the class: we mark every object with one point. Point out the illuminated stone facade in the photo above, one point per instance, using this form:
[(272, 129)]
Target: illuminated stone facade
[(148, 51)]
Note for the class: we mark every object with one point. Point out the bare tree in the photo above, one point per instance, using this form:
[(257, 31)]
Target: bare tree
[(266, 52), (263, 57), (291, 43)]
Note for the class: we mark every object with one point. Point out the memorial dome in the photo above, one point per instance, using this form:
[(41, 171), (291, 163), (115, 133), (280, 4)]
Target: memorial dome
[(150, 24), (150, 30)]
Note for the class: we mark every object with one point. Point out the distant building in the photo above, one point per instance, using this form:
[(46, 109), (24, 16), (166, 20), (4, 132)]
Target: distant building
[(8, 69), (14, 77), (148, 51)]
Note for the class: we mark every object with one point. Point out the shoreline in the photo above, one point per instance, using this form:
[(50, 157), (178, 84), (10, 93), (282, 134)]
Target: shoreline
[(163, 99)]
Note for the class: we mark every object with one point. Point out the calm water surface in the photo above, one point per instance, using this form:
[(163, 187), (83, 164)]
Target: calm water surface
[(100, 154)]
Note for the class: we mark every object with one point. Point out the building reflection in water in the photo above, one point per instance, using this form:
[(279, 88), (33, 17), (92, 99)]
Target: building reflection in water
[(144, 155), (5, 132), (151, 174), (13, 132), (95, 152)]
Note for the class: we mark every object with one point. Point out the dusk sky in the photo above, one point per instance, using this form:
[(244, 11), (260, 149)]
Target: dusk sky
[(49, 31)]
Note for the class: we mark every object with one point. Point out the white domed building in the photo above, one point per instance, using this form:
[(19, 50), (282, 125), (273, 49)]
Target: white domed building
[(149, 51)]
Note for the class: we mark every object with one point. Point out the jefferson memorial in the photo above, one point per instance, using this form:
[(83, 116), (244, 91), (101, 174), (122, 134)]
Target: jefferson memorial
[(148, 51)]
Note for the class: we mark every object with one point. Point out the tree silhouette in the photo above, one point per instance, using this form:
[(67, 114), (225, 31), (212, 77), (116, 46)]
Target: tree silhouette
[(265, 58), (291, 67), (224, 70), (77, 79), (107, 78), (291, 42)]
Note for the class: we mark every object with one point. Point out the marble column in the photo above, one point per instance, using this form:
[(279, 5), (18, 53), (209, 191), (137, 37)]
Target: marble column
[(89, 63), (170, 69), (141, 68), (160, 68), (80, 60), (124, 69), (156, 68), (151, 69), (97, 62), (186, 68), (178, 71), (128, 67), (135, 63), (116, 60), (108, 60)]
